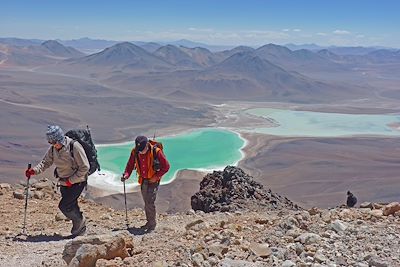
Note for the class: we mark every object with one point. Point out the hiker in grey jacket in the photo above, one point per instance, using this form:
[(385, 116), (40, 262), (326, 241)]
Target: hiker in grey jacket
[(71, 172)]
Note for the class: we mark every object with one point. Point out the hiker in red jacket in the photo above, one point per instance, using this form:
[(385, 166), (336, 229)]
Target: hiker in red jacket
[(150, 164)]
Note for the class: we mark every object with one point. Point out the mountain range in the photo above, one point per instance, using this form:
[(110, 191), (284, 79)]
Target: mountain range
[(270, 72)]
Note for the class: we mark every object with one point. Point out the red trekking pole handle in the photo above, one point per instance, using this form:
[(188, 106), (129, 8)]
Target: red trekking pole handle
[(29, 167)]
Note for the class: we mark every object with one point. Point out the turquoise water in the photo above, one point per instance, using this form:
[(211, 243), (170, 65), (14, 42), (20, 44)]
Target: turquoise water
[(198, 150), (318, 124)]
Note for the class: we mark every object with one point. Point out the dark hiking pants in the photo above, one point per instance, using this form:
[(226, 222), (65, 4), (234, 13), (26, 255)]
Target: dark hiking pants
[(69, 201), (149, 194)]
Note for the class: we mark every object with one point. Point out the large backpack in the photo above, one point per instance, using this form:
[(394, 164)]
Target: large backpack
[(85, 139), (156, 162)]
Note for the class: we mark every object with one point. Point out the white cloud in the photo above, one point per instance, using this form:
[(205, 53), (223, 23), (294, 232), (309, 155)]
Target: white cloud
[(286, 30), (200, 29), (341, 32), (297, 30), (250, 36)]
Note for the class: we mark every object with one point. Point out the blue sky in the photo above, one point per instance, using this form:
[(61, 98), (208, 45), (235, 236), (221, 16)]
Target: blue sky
[(230, 22)]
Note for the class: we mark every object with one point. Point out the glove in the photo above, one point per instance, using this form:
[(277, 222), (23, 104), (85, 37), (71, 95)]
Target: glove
[(29, 173), (124, 177), (68, 183)]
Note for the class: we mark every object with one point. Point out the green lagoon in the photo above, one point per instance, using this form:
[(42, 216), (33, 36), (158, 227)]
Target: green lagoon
[(198, 150), (210, 149), (319, 124)]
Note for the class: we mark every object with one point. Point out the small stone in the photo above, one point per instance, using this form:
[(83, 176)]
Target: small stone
[(260, 250), (288, 263), (5, 186), (308, 238), (60, 217), (366, 205), (19, 194), (38, 195), (217, 250), (320, 257), (314, 211), (191, 212), (106, 217), (391, 208), (44, 185), (338, 226), (326, 216), (191, 224), (376, 262), (376, 213), (197, 259)]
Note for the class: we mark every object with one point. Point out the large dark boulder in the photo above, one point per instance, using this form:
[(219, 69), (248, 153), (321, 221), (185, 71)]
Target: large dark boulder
[(232, 189)]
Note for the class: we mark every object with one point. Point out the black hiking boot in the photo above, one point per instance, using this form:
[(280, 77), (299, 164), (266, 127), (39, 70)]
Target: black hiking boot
[(148, 227), (78, 226)]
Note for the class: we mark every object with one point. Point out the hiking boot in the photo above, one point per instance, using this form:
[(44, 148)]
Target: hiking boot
[(78, 226), (148, 227)]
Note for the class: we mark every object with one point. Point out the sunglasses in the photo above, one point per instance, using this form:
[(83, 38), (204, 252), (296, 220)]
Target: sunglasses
[(52, 142)]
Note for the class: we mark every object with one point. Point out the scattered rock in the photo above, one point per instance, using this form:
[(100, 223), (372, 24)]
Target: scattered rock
[(19, 194), (60, 217), (38, 194), (314, 211), (260, 250), (288, 263), (106, 217), (197, 259), (265, 237), (43, 185), (376, 213), (5, 186), (239, 263), (376, 262), (366, 205), (308, 238), (391, 208), (191, 224), (87, 249), (338, 226)]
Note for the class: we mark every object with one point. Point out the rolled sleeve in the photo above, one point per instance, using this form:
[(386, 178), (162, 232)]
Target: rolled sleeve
[(46, 162), (164, 164)]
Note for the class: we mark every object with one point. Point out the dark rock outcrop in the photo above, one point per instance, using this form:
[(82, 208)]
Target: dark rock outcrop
[(232, 189)]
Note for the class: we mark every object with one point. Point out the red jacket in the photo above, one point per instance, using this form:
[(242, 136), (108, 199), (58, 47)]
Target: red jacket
[(146, 164)]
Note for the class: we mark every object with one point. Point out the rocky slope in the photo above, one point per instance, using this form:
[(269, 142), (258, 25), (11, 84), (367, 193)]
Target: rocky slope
[(367, 236), (232, 190)]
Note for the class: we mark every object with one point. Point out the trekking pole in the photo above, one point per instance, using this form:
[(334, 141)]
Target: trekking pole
[(126, 209), (26, 201)]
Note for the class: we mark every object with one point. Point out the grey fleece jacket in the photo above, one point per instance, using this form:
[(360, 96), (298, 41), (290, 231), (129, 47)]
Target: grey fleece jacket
[(74, 168)]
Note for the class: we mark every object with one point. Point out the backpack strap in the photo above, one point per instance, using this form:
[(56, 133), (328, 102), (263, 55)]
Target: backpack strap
[(71, 147), (154, 152), (137, 161), (55, 173)]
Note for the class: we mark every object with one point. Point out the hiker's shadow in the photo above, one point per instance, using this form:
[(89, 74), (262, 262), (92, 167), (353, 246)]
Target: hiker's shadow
[(41, 238), (132, 230)]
